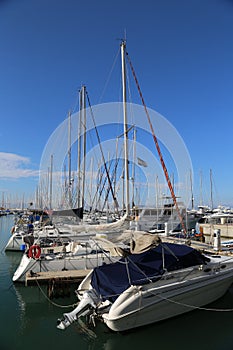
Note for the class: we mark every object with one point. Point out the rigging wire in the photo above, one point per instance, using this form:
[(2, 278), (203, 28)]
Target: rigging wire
[(157, 146), (193, 306), (109, 75), (103, 158)]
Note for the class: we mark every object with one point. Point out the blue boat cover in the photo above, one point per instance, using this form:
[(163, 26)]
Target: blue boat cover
[(110, 280)]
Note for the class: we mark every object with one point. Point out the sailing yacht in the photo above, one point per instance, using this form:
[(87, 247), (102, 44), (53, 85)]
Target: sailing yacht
[(83, 256), (151, 284)]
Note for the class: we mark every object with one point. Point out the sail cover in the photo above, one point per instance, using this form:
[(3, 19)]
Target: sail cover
[(75, 212), (111, 280)]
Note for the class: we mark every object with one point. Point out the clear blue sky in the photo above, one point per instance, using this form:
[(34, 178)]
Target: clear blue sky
[(182, 52)]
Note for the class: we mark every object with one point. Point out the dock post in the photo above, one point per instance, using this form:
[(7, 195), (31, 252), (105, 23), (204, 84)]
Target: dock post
[(217, 239)]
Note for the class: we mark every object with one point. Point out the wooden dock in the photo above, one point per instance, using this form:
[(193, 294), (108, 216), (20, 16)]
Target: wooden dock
[(66, 276)]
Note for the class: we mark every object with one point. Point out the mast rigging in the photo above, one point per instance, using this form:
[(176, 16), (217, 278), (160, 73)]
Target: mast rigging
[(157, 147)]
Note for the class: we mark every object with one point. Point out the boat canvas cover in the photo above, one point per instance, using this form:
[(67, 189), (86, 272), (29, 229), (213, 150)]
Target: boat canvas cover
[(111, 280), (75, 212)]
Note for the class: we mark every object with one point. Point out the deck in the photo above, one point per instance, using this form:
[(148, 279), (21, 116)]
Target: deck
[(68, 276)]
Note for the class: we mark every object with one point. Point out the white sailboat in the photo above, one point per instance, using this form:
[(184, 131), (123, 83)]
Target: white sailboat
[(78, 258), (81, 255), (151, 285)]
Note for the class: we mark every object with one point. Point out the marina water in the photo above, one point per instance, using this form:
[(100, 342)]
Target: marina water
[(28, 319)]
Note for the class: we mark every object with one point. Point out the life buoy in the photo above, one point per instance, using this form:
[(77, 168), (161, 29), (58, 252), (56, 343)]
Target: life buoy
[(34, 252)]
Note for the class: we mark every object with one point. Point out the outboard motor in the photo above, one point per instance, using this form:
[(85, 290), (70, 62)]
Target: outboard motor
[(88, 302)]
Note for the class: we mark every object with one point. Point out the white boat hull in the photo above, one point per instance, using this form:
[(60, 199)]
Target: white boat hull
[(68, 232), (58, 263), (15, 243), (137, 307)]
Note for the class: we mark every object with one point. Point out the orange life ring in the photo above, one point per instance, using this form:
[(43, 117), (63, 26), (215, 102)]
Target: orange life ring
[(198, 234), (34, 252)]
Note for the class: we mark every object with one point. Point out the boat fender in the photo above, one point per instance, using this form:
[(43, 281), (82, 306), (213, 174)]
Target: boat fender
[(13, 229), (34, 252)]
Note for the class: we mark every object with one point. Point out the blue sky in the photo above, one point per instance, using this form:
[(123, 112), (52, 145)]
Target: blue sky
[(181, 50)]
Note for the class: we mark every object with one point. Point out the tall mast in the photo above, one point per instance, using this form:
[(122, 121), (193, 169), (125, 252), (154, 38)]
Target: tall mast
[(79, 149), (158, 149), (211, 190), (69, 161), (51, 182), (191, 185), (201, 200), (133, 169), (125, 129), (84, 141)]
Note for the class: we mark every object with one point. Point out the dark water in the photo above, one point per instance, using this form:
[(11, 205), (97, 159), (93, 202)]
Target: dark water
[(28, 320)]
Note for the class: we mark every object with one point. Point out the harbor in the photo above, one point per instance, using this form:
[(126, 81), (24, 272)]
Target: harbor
[(130, 267), (32, 315), (116, 211)]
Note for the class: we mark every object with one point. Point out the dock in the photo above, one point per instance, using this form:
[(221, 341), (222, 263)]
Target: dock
[(68, 276)]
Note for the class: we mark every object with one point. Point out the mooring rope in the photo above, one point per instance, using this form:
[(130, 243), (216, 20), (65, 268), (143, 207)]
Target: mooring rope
[(193, 306), (51, 302)]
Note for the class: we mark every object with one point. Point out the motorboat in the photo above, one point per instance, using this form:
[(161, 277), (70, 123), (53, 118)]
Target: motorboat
[(163, 218), (150, 286), (218, 220)]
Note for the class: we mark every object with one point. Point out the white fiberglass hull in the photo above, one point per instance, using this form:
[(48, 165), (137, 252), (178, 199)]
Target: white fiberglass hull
[(140, 306), (59, 263), (15, 243)]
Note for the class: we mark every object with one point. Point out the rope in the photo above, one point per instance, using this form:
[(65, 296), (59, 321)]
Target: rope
[(193, 306), (81, 324), (178, 303), (103, 158), (157, 146), (109, 76), (127, 270), (51, 302)]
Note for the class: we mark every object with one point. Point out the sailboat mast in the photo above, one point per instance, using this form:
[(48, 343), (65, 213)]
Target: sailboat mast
[(51, 182), (158, 148), (125, 129), (211, 190), (69, 161), (201, 199), (79, 150), (191, 185), (133, 169), (84, 141)]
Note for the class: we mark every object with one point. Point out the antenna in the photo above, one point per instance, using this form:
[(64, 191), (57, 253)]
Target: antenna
[(125, 35)]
